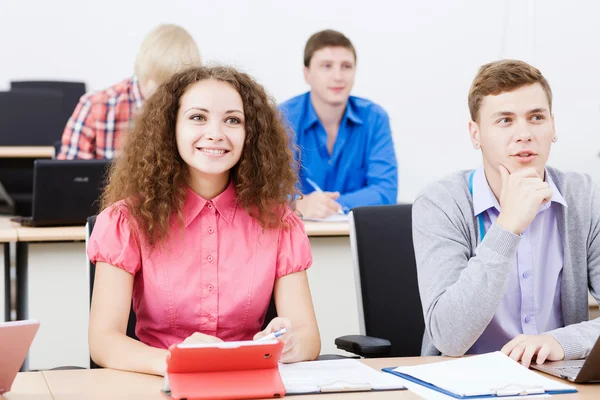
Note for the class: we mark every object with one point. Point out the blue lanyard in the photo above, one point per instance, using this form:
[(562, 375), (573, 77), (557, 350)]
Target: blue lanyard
[(480, 215)]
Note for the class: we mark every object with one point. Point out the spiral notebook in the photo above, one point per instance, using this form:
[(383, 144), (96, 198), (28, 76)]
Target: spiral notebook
[(482, 376)]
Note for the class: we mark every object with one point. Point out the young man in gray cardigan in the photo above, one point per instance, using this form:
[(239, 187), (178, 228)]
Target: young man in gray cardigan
[(506, 253)]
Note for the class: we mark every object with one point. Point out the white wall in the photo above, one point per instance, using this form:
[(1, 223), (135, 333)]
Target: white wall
[(416, 58)]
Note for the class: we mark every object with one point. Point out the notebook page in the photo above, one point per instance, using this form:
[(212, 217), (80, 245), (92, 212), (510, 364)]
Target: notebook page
[(479, 375), (314, 376)]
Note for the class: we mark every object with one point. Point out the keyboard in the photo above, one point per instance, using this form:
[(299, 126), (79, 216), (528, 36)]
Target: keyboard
[(570, 371), (24, 221)]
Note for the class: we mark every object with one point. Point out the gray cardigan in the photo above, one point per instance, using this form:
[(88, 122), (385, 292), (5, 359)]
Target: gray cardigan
[(462, 283)]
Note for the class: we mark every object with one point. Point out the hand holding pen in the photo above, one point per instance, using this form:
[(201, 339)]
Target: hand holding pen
[(319, 190), (281, 328), (319, 204), (273, 335)]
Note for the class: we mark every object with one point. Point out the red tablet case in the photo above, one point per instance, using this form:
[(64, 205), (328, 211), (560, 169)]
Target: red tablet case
[(234, 370)]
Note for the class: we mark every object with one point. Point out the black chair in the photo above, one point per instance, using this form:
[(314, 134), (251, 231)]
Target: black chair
[(30, 117), (382, 246), (71, 92)]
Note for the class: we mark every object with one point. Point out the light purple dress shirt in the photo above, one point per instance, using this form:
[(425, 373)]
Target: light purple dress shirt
[(531, 304)]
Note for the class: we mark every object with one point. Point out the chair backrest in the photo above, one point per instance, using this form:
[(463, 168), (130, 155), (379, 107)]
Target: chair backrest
[(386, 273), (92, 272), (71, 91), (31, 117), (57, 146)]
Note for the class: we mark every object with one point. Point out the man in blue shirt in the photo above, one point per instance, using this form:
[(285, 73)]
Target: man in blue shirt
[(346, 155)]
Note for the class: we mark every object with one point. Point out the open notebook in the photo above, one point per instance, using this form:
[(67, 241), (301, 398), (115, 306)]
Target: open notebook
[(334, 376), (486, 375)]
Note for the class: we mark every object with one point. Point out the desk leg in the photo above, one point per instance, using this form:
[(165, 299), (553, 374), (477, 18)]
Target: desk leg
[(7, 283), (21, 289), (22, 255)]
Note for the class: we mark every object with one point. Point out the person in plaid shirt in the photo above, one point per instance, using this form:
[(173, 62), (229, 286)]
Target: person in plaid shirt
[(100, 121)]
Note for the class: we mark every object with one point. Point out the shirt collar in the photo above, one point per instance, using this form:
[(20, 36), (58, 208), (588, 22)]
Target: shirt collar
[(556, 196), (484, 199), (137, 94), (352, 114), (225, 204), (312, 117)]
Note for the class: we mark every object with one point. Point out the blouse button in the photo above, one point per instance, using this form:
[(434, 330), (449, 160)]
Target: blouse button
[(211, 230), (210, 317), (210, 287), (210, 206), (210, 258)]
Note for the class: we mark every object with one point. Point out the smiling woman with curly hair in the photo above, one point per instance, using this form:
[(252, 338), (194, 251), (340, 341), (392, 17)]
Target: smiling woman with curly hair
[(197, 227)]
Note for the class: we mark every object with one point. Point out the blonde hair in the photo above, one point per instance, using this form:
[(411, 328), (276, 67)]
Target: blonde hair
[(503, 76), (165, 51)]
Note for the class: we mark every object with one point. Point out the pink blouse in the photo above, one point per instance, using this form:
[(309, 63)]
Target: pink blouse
[(215, 276)]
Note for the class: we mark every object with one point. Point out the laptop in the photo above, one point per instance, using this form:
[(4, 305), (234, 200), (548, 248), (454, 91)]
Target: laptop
[(16, 338), (65, 192), (578, 371)]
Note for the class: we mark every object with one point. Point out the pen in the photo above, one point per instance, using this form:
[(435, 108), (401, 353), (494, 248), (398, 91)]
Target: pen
[(318, 189), (273, 335)]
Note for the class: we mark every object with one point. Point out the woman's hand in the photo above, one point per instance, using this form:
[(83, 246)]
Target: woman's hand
[(290, 352)]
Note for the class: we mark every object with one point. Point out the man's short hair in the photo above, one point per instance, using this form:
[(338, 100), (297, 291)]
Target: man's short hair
[(326, 38), (165, 51), (503, 76)]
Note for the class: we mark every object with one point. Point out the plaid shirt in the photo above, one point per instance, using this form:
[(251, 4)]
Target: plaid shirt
[(97, 126)]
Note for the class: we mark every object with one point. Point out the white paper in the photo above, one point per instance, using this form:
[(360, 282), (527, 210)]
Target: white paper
[(481, 375), (334, 375)]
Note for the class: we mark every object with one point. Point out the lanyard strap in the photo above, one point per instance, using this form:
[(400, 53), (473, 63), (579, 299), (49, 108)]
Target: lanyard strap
[(480, 215)]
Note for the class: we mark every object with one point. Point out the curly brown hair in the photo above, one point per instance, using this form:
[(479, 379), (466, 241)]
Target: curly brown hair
[(151, 177)]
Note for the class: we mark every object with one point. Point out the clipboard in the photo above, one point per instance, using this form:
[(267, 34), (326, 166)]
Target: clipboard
[(508, 390), (226, 370), (489, 376), (335, 376)]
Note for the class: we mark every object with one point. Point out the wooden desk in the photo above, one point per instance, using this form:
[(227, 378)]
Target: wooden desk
[(53, 234), (75, 233), (111, 384), (29, 386), (314, 229), (592, 301), (26, 151), (8, 233)]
